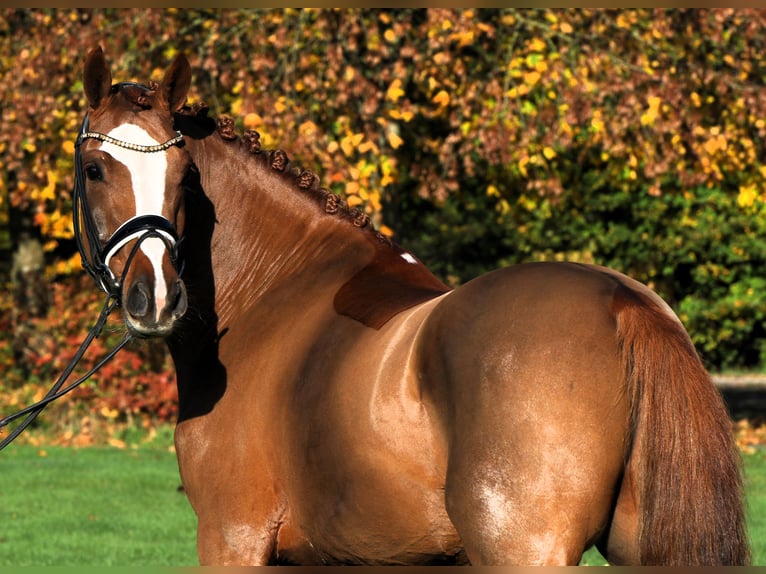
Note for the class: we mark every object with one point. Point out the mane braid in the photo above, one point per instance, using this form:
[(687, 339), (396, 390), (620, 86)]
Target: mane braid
[(303, 180)]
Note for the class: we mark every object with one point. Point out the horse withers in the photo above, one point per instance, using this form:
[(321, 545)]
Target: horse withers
[(340, 404)]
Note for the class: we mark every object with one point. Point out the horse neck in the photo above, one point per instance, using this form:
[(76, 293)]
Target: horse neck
[(268, 233)]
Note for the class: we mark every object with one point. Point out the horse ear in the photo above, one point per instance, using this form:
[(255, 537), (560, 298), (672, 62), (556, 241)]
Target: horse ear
[(176, 83), (97, 79)]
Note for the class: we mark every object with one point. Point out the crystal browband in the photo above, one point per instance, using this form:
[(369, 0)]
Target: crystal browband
[(131, 146)]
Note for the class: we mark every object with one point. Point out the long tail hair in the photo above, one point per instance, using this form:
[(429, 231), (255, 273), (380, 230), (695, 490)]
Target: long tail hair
[(683, 458)]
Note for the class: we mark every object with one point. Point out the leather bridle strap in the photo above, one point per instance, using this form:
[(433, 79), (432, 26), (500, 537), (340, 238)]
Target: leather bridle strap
[(140, 227)]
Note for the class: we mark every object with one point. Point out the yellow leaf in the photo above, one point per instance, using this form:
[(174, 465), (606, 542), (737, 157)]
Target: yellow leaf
[(352, 189), (67, 146), (395, 91), (463, 38), (368, 146), (405, 116), (747, 195), (549, 153), (441, 98), (253, 121), (386, 230), (536, 45), (307, 129), (349, 143), (597, 124), (696, 100), (623, 21), (531, 78), (389, 36), (346, 146), (49, 191), (394, 140), (354, 200), (715, 144)]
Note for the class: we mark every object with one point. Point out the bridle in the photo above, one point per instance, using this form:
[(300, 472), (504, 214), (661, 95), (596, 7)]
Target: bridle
[(139, 227)]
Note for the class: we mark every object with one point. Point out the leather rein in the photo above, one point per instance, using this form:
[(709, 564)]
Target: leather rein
[(141, 228)]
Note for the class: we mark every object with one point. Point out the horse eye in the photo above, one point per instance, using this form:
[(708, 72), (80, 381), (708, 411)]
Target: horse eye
[(93, 172)]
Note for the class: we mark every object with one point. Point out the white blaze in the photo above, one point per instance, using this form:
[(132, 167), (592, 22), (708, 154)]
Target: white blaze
[(147, 173)]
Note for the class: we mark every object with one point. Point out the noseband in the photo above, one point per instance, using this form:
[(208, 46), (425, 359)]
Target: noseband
[(140, 227)]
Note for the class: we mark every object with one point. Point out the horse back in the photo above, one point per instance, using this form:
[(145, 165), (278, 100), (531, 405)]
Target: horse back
[(529, 323)]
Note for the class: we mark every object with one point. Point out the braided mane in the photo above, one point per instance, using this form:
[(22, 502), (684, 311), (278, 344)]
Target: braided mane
[(278, 161), (394, 280)]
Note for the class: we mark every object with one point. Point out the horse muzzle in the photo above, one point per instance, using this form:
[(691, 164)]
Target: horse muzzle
[(151, 309), (151, 291)]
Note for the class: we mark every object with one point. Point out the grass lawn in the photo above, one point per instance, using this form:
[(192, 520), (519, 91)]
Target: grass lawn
[(103, 506), (93, 507)]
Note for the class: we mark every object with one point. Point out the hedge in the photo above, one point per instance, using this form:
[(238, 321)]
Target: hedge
[(477, 137)]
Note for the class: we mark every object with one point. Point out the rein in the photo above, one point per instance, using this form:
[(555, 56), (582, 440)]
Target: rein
[(54, 393), (140, 228)]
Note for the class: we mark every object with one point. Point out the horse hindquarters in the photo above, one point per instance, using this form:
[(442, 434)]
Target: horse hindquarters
[(523, 366), (683, 477)]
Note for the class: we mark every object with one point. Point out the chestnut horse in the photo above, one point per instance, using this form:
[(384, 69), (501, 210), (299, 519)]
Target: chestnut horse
[(340, 404)]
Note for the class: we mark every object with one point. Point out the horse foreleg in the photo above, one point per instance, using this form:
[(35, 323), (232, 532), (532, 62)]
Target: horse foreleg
[(238, 512)]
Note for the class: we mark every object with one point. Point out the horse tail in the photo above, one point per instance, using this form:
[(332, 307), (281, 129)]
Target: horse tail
[(684, 462)]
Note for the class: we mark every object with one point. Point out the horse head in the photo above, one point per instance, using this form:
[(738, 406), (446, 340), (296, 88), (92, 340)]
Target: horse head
[(131, 173)]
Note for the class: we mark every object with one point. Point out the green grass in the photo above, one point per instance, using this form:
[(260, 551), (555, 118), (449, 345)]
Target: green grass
[(102, 506), (93, 507), (755, 481)]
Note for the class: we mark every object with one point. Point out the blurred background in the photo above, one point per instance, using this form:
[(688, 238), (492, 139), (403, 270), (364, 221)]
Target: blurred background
[(477, 138)]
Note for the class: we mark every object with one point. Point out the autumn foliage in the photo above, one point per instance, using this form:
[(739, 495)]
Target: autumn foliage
[(479, 138)]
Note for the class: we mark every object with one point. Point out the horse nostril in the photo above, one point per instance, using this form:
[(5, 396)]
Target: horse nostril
[(138, 300), (178, 299)]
